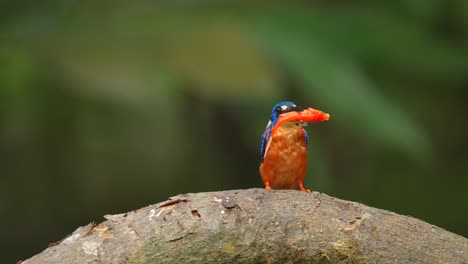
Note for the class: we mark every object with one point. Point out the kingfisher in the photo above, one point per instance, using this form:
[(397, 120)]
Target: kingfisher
[(283, 148)]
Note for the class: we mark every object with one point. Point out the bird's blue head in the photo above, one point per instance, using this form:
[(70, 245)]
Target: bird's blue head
[(278, 109), (281, 108)]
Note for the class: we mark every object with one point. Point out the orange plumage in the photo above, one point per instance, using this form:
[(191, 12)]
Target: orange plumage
[(285, 163)]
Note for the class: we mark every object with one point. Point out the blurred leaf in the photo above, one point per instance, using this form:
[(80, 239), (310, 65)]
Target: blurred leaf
[(18, 105), (422, 11), (403, 45), (460, 9), (372, 35), (218, 59), (221, 60)]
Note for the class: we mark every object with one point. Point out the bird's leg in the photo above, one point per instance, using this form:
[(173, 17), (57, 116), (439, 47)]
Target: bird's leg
[(302, 187), (267, 186)]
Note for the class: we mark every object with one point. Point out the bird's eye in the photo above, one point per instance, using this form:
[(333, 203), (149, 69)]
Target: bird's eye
[(278, 110)]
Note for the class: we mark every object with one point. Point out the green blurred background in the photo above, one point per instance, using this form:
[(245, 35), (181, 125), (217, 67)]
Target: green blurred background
[(109, 106)]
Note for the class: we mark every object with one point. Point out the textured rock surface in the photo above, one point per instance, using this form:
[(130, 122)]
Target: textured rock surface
[(250, 226)]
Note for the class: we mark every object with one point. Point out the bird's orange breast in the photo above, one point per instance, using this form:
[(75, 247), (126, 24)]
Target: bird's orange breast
[(285, 162)]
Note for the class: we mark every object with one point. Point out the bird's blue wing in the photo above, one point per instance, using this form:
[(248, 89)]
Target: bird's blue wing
[(306, 136), (264, 142)]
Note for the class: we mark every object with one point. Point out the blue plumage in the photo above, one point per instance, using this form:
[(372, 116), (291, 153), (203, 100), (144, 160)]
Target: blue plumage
[(278, 109), (265, 137)]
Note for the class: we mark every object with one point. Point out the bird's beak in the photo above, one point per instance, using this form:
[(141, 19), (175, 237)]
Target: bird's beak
[(293, 109)]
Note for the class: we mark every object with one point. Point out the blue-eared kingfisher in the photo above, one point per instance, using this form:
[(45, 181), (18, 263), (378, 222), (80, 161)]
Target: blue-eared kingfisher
[(284, 145)]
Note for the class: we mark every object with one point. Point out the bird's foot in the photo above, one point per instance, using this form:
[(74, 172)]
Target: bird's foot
[(267, 186), (301, 187)]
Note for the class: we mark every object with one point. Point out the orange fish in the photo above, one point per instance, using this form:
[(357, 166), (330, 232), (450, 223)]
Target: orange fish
[(284, 146)]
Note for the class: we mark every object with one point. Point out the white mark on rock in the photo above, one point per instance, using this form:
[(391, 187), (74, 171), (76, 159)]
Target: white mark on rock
[(151, 214), (216, 199), (222, 211), (91, 247), (338, 244), (159, 213), (71, 238)]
